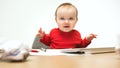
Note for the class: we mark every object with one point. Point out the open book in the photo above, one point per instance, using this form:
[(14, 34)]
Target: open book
[(74, 51), (90, 50)]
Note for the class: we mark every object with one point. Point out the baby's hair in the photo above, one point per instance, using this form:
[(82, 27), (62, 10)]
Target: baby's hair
[(66, 4)]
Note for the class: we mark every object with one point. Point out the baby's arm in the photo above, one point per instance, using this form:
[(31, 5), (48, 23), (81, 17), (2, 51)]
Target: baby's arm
[(40, 33), (91, 37)]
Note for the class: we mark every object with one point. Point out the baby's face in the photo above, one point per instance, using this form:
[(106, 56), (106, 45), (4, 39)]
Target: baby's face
[(66, 18)]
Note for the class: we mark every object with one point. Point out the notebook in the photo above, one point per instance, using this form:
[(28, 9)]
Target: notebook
[(89, 50)]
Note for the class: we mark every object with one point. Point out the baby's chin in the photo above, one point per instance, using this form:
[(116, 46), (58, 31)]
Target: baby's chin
[(66, 30)]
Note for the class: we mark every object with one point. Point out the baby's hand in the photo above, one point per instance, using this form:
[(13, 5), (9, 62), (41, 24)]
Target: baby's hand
[(40, 33), (91, 36)]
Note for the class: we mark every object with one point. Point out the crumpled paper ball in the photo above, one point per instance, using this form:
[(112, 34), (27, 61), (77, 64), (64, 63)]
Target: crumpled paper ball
[(14, 50)]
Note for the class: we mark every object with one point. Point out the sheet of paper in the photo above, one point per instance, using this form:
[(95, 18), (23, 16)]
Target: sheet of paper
[(51, 52), (75, 51)]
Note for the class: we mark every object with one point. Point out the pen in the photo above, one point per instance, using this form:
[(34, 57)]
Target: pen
[(33, 50), (43, 49)]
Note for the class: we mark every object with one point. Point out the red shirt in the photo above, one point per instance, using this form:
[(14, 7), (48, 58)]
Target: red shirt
[(61, 40)]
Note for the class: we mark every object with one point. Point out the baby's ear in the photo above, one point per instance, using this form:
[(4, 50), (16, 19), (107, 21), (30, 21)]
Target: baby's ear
[(76, 19), (56, 19)]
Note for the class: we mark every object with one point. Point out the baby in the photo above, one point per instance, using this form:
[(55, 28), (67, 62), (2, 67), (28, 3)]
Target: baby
[(65, 36)]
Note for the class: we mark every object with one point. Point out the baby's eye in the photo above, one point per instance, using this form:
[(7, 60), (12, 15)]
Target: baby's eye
[(62, 18), (71, 18)]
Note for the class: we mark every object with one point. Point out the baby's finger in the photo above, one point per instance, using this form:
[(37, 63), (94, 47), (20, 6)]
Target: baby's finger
[(40, 30), (93, 35), (38, 35)]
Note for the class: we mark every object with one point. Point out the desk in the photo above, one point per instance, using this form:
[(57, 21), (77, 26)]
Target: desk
[(107, 60)]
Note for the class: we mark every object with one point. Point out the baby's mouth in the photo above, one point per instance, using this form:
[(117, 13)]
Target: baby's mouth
[(66, 26)]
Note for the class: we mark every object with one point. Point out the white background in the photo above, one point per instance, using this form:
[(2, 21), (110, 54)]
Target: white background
[(21, 19)]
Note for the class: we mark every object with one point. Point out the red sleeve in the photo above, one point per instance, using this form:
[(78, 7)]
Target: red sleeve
[(46, 40), (85, 43)]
